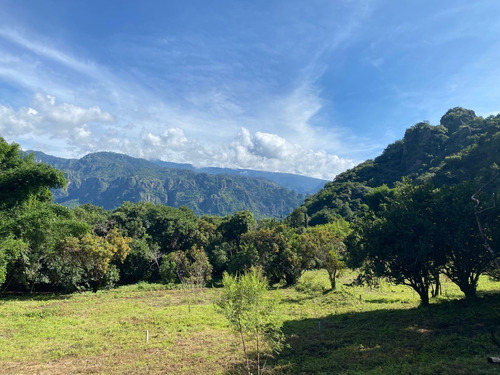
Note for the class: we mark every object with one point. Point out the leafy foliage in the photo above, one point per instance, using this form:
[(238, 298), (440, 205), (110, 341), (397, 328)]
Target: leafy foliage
[(93, 255), (21, 178), (192, 267), (423, 231), (251, 315)]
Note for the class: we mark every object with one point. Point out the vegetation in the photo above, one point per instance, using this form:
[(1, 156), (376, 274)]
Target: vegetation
[(108, 180), (463, 147), (435, 229), (301, 184), (252, 316), (354, 330)]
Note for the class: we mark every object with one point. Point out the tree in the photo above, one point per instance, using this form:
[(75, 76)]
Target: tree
[(172, 228), (21, 178), (94, 254), (235, 225), (251, 315), (399, 242), (322, 246), (157, 230), (40, 226), (10, 249), (190, 267), (24, 186), (269, 248), (298, 218), (460, 243)]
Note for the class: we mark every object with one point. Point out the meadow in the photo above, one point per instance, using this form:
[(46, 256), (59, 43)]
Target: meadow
[(353, 330)]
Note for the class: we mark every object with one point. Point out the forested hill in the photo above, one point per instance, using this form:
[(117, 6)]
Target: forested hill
[(462, 147), (109, 179), (301, 184)]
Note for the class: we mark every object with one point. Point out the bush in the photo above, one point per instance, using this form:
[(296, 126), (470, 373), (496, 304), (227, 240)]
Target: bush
[(310, 284)]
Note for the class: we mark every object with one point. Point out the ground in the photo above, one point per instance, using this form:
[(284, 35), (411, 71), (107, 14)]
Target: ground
[(354, 330)]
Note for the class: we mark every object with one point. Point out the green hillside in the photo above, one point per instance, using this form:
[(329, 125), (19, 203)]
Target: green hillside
[(463, 146), (301, 184), (109, 179)]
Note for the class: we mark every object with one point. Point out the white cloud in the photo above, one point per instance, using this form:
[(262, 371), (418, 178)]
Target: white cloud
[(188, 113), (66, 115), (14, 123), (271, 152), (259, 151), (47, 118), (271, 146), (90, 129)]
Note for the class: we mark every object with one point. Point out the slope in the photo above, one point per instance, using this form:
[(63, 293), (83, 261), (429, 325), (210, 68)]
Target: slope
[(109, 179), (301, 184), (463, 146)]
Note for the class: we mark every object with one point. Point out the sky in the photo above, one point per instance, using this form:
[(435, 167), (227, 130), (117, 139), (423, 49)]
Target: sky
[(307, 87)]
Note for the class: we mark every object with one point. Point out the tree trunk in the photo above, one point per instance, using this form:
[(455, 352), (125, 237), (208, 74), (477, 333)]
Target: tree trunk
[(423, 293), (96, 286), (333, 279), (437, 286), (424, 298), (469, 290)]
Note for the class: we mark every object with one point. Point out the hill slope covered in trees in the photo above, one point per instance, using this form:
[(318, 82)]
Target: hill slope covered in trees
[(109, 179), (462, 147), (301, 184)]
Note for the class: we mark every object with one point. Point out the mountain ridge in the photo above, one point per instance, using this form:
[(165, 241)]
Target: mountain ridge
[(463, 146), (108, 179), (299, 183)]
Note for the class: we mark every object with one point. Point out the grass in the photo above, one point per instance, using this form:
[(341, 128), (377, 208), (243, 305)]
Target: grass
[(353, 330)]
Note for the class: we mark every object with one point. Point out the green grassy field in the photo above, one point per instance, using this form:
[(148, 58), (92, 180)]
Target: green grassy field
[(354, 330)]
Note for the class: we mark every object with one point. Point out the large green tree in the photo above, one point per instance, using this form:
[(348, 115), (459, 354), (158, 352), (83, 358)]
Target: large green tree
[(274, 254), (93, 255), (27, 217), (458, 240), (399, 242), (22, 178), (40, 227)]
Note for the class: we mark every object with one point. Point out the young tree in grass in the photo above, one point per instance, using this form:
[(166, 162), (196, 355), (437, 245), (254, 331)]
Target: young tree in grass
[(322, 246), (252, 316)]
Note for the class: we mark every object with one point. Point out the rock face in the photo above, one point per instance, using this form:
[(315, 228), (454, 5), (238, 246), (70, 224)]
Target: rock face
[(108, 179)]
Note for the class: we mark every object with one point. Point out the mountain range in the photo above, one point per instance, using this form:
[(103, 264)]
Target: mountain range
[(301, 184), (463, 146), (108, 179)]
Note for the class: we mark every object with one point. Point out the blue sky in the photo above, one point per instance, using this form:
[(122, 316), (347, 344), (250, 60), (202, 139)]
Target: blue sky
[(308, 87)]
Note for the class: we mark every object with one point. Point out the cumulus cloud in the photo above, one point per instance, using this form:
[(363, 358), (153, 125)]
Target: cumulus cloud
[(49, 119), (88, 129), (259, 151), (66, 115), (273, 153)]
